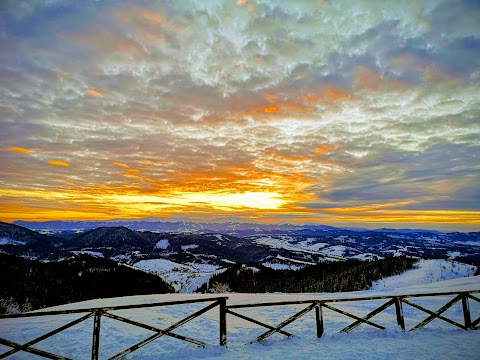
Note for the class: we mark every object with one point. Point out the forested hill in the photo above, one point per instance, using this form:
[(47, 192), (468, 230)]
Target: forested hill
[(349, 275), (29, 284)]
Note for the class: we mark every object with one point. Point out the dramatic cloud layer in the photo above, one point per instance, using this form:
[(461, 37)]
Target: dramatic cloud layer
[(334, 112)]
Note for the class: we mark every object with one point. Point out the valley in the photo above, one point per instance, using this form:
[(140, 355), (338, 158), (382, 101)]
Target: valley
[(187, 254)]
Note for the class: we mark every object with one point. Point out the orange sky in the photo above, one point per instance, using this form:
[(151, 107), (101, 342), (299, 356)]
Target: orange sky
[(359, 115)]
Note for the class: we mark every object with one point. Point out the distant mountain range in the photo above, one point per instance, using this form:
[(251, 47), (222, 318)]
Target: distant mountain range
[(217, 243), (187, 254), (230, 226)]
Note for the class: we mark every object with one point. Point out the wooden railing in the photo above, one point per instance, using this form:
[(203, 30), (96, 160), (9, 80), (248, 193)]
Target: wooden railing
[(397, 301), (97, 314), (317, 305)]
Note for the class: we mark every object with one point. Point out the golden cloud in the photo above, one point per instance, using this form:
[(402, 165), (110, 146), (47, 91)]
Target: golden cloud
[(20, 150), (323, 149), (58, 163), (270, 109), (93, 93)]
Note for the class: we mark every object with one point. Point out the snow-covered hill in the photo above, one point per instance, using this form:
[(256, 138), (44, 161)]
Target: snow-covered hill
[(185, 278), (286, 247), (425, 272), (438, 341)]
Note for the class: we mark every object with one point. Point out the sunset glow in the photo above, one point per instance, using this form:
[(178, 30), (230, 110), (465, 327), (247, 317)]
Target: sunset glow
[(339, 113), (20, 150), (58, 163)]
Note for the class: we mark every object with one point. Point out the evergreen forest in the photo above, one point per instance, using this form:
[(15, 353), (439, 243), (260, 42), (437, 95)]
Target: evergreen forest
[(338, 276), (27, 285)]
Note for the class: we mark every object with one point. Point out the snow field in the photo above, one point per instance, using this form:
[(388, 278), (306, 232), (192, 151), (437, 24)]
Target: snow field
[(185, 278), (425, 272), (91, 253), (162, 244), (8, 241), (277, 266)]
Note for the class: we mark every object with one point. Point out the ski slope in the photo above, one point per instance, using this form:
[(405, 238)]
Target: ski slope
[(425, 272), (438, 340)]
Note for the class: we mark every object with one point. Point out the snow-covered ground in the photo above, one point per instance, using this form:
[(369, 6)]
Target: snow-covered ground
[(86, 252), (469, 243), (338, 251), (367, 256), (9, 241), (277, 266), (283, 263), (185, 278), (288, 242), (425, 272), (438, 340), (310, 246)]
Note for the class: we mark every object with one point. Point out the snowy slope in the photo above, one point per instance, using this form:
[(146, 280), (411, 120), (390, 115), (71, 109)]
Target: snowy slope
[(438, 341), (425, 272), (9, 241), (289, 243), (185, 278)]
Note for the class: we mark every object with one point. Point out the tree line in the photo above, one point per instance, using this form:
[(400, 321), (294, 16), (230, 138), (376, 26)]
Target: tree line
[(339, 276), (27, 285)]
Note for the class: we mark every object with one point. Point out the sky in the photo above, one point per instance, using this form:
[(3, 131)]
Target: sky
[(358, 113)]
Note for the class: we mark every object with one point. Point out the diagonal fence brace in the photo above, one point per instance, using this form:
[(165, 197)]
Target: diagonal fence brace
[(154, 329), (473, 297), (437, 314), (287, 321), (475, 323), (353, 316), (27, 346), (31, 350), (368, 316), (241, 316), (148, 340)]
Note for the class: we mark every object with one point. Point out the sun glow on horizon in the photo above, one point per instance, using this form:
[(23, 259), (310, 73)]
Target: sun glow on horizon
[(273, 113), (249, 200)]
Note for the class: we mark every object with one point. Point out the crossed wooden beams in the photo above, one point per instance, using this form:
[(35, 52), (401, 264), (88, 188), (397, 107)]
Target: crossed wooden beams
[(97, 313), (317, 305), (28, 346), (396, 301)]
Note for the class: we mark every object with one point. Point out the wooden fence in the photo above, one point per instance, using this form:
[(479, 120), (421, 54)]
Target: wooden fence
[(317, 305), (396, 301), (97, 314)]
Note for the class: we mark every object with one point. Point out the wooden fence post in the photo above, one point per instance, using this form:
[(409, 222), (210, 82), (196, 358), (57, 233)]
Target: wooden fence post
[(466, 311), (319, 320), (223, 321), (399, 312), (96, 334)]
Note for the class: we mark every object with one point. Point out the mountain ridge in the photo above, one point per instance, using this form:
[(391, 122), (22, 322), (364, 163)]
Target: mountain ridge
[(310, 245), (227, 225)]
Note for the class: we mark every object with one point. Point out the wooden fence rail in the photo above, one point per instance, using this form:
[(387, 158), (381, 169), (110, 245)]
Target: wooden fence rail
[(319, 305), (97, 314), (397, 301)]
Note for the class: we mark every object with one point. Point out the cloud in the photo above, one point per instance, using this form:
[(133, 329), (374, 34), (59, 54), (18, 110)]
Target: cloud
[(326, 104), (93, 93), (58, 163), (20, 150)]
